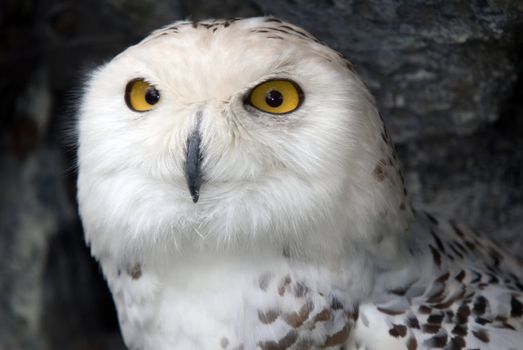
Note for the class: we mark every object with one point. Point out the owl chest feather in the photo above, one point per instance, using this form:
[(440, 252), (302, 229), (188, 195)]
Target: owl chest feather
[(259, 303)]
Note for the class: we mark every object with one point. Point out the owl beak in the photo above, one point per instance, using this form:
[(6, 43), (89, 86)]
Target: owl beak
[(193, 162)]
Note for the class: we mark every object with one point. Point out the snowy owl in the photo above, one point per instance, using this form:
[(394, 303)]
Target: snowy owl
[(239, 190)]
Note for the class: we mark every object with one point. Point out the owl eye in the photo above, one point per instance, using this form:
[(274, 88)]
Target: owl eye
[(141, 96), (278, 96)]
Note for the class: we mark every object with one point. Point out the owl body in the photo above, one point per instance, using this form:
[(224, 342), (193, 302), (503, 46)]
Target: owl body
[(240, 191)]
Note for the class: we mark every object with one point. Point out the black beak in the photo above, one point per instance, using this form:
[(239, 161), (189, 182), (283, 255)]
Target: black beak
[(193, 163)]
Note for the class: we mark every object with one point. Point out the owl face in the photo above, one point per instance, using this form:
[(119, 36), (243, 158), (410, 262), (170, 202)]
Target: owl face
[(223, 130)]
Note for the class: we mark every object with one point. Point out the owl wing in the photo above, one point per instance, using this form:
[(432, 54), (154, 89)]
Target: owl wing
[(473, 301)]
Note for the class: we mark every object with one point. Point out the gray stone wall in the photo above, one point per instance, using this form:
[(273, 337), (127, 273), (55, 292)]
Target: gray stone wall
[(447, 77)]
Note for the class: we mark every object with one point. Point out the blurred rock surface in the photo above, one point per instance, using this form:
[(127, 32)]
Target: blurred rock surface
[(447, 77)]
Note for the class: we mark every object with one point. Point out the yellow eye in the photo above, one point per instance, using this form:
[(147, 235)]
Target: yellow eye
[(276, 96), (141, 96)]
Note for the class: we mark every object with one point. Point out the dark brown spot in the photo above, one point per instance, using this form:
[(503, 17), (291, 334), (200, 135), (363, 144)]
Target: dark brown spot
[(480, 305), (460, 276), (299, 32), (437, 341), (224, 343), (392, 312), (482, 321), (413, 322), (435, 319), (296, 319), (455, 250), (412, 344), (271, 29), (268, 316), (338, 338), (403, 206), (136, 272), (323, 315), (507, 326), (300, 290), (424, 309), (449, 315), (500, 318), (477, 277), (430, 328), (288, 340), (264, 281), (436, 292), (443, 278), (378, 172), (451, 300), (481, 335), (462, 314), (457, 343), (283, 285), (435, 255), (384, 137), (460, 330), (516, 307), (336, 304), (283, 344), (437, 240), (468, 298), (354, 315), (398, 330)]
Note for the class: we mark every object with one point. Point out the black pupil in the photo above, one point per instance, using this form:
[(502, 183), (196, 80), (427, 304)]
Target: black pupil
[(274, 98), (152, 96)]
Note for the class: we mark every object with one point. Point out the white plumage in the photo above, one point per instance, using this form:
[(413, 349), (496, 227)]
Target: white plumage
[(220, 223)]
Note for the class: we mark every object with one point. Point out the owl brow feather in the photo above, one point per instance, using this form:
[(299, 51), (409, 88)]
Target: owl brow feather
[(274, 29), (212, 25)]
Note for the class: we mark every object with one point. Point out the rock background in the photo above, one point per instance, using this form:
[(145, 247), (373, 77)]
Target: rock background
[(447, 76)]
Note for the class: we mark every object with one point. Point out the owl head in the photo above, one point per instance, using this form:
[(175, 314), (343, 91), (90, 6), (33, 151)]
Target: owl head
[(234, 133)]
